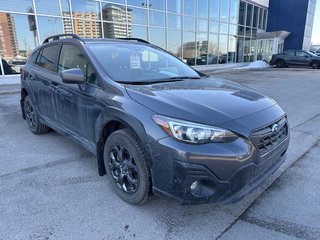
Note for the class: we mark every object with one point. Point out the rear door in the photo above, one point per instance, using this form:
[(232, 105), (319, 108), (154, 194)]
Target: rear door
[(77, 107), (44, 79), (289, 57)]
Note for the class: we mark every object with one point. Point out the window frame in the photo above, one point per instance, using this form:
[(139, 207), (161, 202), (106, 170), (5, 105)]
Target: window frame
[(31, 60), (290, 51), (98, 84), (301, 51)]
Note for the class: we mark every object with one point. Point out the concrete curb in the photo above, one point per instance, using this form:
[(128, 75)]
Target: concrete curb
[(9, 92), (232, 70), (9, 89)]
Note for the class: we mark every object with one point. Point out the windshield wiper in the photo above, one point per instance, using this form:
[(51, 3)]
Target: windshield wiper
[(163, 80), (150, 82), (184, 77)]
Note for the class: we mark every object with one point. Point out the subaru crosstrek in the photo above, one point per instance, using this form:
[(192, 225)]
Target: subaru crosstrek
[(155, 124)]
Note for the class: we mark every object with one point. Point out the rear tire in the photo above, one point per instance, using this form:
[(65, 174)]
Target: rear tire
[(32, 118), (126, 167), (315, 65), (280, 64)]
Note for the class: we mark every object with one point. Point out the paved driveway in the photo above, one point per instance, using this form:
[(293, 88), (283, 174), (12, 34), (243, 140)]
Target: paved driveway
[(49, 187)]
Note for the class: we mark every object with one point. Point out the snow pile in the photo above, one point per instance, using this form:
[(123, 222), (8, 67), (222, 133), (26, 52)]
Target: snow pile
[(258, 64)]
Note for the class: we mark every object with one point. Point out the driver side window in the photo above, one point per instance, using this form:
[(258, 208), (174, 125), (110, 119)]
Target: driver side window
[(72, 57)]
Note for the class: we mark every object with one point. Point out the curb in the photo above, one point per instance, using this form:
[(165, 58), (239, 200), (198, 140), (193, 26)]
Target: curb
[(231, 70), (9, 88), (9, 92)]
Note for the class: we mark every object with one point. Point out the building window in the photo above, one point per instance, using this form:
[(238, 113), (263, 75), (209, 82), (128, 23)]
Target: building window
[(50, 26), (157, 18), (203, 8), (86, 9), (174, 42), (158, 37), (190, 29), (48, 7), (189, 7), (174, 6)]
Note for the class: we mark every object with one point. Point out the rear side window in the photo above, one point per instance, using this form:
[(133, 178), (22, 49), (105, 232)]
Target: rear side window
[(290, 53), (47, 57), (33, 57)]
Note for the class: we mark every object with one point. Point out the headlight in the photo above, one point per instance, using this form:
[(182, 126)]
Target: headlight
[(193, 132)]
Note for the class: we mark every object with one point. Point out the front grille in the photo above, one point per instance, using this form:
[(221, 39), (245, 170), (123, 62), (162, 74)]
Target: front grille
[(266, 138), (198, 173)]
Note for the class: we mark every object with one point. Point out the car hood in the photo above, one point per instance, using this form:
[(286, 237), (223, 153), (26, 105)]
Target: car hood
[(206, 100)]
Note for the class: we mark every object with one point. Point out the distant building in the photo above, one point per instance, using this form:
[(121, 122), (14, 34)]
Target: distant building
[(116, 16), (85, 26), (295, 17), (9, 47)]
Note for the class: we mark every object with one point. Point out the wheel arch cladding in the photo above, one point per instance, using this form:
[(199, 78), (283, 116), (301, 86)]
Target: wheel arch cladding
[(23, 93), (110, 121)]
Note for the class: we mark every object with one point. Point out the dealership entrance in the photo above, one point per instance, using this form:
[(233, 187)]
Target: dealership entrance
[(268, 43)]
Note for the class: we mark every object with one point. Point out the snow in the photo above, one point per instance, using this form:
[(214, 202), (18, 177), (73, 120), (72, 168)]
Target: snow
[(258, 64)]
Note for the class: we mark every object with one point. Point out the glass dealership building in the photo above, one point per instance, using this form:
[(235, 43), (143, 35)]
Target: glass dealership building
[(198, 31)]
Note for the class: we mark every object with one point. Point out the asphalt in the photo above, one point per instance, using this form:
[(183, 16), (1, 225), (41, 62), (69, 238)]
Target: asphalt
[(49, 187)]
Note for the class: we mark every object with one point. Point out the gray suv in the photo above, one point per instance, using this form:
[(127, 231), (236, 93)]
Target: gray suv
[(296, 58), (155, 124)]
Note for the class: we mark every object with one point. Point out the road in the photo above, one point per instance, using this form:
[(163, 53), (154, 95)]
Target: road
[(49, 187)]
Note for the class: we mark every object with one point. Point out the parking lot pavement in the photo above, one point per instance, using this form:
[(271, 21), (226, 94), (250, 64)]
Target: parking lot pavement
[(289, 209), (49, 187)]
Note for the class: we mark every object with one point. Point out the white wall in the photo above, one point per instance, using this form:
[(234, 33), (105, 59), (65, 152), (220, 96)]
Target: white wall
[(309, 25), (264, 3)]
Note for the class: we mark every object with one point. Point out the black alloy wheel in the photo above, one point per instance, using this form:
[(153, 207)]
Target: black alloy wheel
[(123, 169), (126, 166), (30, 115), (32, 118)]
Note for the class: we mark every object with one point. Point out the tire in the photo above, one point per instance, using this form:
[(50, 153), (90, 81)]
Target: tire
[(280, 64), (32, 118), (315, 65), (126, 167)]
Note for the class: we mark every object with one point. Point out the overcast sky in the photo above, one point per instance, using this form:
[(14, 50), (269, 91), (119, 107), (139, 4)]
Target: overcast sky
[(316, 26)]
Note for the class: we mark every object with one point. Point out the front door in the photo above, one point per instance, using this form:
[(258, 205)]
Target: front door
[(302, 58), (76, 104)]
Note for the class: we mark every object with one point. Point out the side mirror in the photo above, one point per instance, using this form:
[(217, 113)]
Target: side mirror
[(73, 76)]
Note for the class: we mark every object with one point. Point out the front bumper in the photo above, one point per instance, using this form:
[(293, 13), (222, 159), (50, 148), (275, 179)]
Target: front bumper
[(228, 175)]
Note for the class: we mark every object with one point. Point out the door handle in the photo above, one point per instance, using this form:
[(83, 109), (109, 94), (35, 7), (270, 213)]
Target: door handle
[(63, 92), (53, 87)]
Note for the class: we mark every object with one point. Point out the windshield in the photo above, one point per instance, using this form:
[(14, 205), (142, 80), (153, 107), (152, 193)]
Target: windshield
[(311, 53), (137, 63)]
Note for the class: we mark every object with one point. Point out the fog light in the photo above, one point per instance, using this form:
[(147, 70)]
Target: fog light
[(194, 185)]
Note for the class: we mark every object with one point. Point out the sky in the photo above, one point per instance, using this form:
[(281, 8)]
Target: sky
[(315, 39)]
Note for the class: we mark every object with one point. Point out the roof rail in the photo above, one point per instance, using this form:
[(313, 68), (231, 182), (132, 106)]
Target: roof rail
[(135, 39), (60, 36)]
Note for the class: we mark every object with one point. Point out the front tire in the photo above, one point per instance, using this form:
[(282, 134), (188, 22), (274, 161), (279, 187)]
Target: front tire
[(126, 167), (32, 118)]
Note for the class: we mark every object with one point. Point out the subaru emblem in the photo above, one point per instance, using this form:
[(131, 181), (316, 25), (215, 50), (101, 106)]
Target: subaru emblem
[(275, 128)]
